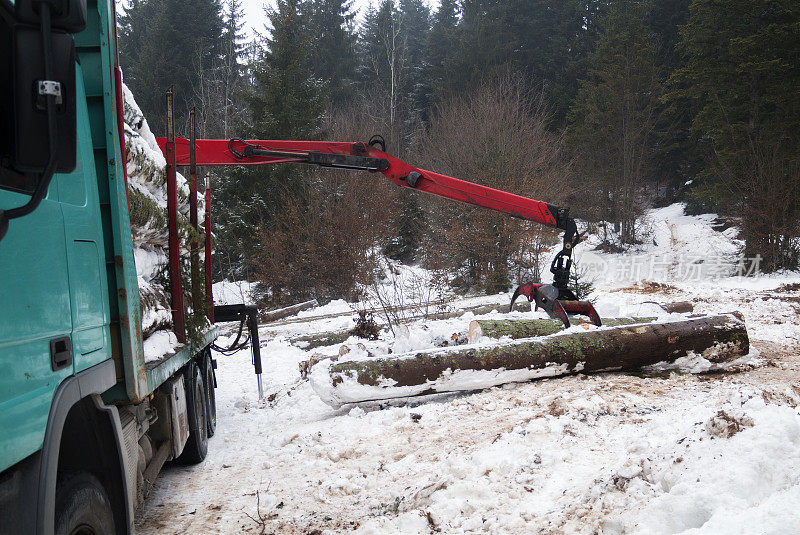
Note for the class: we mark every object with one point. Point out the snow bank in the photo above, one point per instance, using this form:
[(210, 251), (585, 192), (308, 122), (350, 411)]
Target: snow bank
[(745, 483), (336, 306)]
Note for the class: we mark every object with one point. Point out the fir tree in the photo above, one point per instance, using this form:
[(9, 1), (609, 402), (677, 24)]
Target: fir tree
[(441, 49), (547, 40), (333, 58), (614, 115), (231, 68), (415, 24), (132, 23), (380, 48), (285, 102), (169, 42), (741, 80), (675, 155)]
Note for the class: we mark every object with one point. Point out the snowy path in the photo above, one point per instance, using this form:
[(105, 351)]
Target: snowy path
[(609, 453)]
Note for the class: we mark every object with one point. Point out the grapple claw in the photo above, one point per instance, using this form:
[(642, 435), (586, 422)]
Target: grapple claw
[(558, 311), (582, 307), (527, 290), (546, 298), (557, 303)]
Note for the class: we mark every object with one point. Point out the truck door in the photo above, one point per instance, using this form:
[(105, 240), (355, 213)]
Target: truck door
[(88, 284), (35, 317)]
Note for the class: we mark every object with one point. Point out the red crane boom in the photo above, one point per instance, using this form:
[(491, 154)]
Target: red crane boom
[(216, 152), (556, 299)]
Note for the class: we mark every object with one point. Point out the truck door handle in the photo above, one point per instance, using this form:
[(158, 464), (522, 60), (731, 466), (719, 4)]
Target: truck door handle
[(60, 353)]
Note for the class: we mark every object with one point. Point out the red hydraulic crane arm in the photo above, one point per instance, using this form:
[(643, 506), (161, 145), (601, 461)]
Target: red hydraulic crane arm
[(557, 299), (367, 156)]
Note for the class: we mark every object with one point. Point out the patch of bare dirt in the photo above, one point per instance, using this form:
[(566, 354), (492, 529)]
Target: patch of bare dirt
[(724, 425), (792, 287)]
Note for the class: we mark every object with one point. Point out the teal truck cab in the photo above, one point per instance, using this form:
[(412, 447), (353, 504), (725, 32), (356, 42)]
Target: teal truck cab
[(85, 423)]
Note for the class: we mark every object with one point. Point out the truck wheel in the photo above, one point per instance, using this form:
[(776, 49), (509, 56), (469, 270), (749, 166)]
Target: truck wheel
[(211, 397), (82, 506), (197, 444)]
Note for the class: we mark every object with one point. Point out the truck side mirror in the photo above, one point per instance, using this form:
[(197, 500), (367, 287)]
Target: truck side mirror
[(66, 15), (25, 123), (31, 131), (38, 124)]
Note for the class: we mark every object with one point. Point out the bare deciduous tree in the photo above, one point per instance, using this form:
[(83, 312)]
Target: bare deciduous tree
[(323, 243), (496, 136)]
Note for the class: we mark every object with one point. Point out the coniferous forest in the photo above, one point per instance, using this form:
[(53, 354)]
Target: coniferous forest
[(609, 107)]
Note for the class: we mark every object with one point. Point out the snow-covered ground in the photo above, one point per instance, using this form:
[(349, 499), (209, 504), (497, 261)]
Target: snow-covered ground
[(667, 452)]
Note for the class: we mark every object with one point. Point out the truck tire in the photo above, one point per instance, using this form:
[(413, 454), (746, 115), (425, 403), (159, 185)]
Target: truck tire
[(82, 506), (197, 445), (211, 398)]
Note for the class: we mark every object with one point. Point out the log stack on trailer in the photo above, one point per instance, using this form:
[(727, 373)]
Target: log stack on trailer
[(149, 215)]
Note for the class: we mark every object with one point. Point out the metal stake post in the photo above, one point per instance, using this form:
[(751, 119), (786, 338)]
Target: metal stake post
[(194, 258), (178, 320), (255, 344), (207, 225)]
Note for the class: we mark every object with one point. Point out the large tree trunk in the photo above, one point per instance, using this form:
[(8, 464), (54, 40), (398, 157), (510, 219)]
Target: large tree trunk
[(273, 315), (520, 305), (516, 329), (477, 310), (716, 338), (678, 307), (313, 341), (338, 337)]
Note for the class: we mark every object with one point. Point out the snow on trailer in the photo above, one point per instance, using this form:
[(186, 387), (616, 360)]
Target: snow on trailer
[(147, 198)]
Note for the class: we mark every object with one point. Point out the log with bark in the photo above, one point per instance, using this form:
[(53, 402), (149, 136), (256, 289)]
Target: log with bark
[(716, 338), (329, 338), (313, 341), (515, 329), (522, 306), (678, 307), (273, 315)]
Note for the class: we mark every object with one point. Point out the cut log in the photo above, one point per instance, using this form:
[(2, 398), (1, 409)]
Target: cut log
[(314, 341), (530, 328), (678, 307), (717, 338), (522, 306), (273, 315)]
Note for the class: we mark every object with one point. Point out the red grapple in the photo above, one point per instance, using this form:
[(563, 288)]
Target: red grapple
[(546, 297)]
